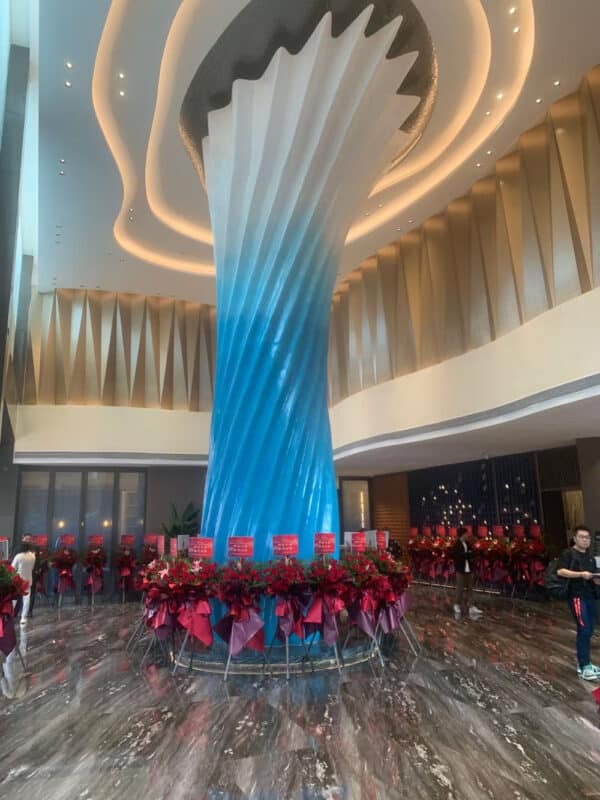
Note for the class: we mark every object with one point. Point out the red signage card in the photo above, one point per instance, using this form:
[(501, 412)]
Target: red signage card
[(440, 530), (150, 538), (240, 547), (359, 542), (172, 546), (380, 538), (40, 540), (127, 539), (324, 543), (66, 540), (201, 547), (97, 540), (285, 544)]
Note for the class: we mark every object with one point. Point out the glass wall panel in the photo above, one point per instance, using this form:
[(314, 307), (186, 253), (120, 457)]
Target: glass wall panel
[(99, 507), (33, 503), (356, 505), (67, 506), (132, 501)]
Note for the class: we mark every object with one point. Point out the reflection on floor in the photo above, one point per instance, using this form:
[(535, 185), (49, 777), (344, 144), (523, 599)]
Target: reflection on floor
[(491, 709)]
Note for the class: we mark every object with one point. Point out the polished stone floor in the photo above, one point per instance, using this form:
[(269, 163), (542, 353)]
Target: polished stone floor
[(490, 709)]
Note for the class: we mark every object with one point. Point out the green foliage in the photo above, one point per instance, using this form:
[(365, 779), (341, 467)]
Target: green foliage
[(186, 524)]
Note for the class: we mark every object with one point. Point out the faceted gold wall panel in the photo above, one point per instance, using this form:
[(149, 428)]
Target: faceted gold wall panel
[(101, 348), (523, 240)]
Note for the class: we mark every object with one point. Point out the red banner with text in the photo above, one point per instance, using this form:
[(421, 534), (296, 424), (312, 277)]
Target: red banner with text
[(285, 544), (324, 544), (201, 547), (240, 547)]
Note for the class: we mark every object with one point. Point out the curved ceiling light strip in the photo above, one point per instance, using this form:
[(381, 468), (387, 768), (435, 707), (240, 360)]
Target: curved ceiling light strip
[(167, 87), (390, 211), (101, 101), (385, 215)]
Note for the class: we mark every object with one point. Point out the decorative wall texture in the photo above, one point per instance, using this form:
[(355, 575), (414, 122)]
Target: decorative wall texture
[(391, 510), (102, 348), (496, 491), (524, 239)]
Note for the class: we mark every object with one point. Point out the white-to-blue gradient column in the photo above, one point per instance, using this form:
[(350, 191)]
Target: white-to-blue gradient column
[(287, 162)]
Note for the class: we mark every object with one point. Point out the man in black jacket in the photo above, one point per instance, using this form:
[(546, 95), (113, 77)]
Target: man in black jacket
[(463, 556), (579, 567)]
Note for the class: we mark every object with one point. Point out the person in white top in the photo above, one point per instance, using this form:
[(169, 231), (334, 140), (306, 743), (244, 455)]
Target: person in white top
[(24, 563)]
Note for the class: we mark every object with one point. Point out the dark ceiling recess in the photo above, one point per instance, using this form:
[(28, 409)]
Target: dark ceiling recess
[(246, 47)]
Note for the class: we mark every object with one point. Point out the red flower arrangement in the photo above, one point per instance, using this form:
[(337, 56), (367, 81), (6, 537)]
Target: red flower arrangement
[(125, 563), (286, 579), (42, 566), (328, 581), (63, 561), (239, 588), (12, 586), (149, 553), (94, 562)]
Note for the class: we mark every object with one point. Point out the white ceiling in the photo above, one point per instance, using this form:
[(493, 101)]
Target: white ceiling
[(157, 44), (556, 425)]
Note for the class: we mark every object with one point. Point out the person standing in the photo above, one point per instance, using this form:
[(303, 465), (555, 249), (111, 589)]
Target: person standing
[(37, 567), (579, 567), (463, 556), (24, 563)]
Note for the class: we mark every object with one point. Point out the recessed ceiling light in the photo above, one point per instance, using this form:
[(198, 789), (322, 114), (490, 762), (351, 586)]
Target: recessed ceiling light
[(68, 84), (488, 113), (478, 164), (538, 100), (130, 218), (516, 29), (557, 83), (122, 93), (121, 75), (68, 65), (512, 9), (379, 205), (131, 210), (499, 96), (61, 161), (488, 152), (367, 213), (61, 172), (410, 221), (398, 229)]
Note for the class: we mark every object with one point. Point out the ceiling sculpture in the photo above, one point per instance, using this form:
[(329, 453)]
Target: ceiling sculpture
[(120, 208)]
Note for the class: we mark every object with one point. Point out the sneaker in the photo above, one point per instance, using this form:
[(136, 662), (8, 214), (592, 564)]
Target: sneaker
[(589, 673), (595, 668), (579, 670), (475, 612), (457, 612)]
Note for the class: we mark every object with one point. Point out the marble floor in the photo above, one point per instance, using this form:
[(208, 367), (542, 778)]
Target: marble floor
[(490, 709)]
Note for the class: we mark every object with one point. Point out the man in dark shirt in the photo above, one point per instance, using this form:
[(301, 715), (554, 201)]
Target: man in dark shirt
[(463, 554), (580, 568)]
